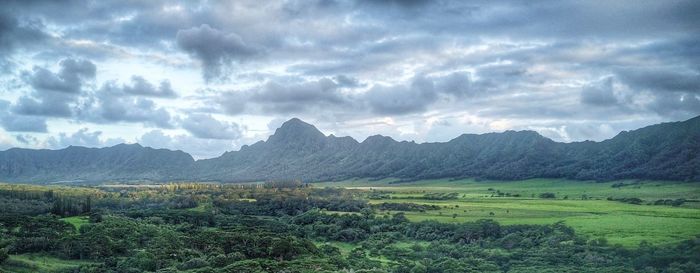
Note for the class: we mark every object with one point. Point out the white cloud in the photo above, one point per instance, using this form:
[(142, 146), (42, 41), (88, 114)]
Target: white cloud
[(463, 67)]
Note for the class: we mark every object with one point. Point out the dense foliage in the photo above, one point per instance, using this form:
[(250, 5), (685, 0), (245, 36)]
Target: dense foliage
[(667, 151), (293, 228)]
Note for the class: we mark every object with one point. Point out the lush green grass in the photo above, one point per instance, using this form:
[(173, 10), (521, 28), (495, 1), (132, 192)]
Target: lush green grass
[(76, 221), (650, 190), (202, 207), (619, 223), (37, 263), (345, 248)]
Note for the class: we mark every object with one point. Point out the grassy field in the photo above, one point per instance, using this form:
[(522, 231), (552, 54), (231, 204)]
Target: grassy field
[(29, 263), (581, 205), (76, 221)]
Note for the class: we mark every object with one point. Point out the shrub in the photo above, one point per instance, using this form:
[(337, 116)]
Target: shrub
[(547, 195), (3, 255), (193, 263)]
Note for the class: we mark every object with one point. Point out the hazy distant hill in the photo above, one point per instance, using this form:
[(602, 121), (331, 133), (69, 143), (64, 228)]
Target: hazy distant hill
[(120, 162), (297, 150)]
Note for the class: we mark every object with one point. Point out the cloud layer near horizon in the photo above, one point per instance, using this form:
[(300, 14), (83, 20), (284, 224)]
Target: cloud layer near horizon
[(207, 77)]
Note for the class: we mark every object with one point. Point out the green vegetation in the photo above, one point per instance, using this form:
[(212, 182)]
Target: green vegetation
[(353, 226), (76, 221), (29, 263), (581, 205)]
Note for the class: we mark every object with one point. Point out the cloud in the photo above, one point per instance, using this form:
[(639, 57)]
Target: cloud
[(422, 92), (27, 139), (110, 104), (401, 99), (344, 62), (82, 137), (69, 79), (206, 126), (199, 148), (231, 102), (286, 96), (54, 94), (457, 84), (18, 123), (348, 97), (676, 105), (347, 81), (49, 105), (669, 79), (140, 87), (23, 124), (63, 95), (218, 51), (293, 97), (599, 93), (16, 34), (134, 110)]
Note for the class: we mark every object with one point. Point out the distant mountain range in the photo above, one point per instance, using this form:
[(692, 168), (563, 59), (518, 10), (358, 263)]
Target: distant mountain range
[(297, 150)]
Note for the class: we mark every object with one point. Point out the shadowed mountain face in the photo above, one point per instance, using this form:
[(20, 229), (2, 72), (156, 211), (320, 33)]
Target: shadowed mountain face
[(120, 162), (297, 150)]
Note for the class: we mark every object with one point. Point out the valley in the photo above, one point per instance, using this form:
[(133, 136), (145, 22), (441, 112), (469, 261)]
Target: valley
[(388, 225), (582, 205)]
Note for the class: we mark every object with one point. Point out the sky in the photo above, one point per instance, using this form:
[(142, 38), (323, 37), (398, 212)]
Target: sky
[(207, 77)]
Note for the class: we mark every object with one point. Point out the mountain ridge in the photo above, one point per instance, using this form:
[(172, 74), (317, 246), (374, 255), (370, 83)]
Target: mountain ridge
[(298, 150)]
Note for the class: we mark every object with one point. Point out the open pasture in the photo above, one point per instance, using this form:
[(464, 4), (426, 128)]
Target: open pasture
[(30, 263), (581, 205)]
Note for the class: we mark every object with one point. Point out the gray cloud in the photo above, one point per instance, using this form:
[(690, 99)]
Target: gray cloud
[(218, 51), (54, 94), (48, 105), (135, 110), (457, 84), (422, 92), (599, 93), (198, 147), (353, 61), (661, 78), (15, 34), (677, 105), (82, 137), (23, 124), (69, 79), (141, 87), (290, 98), (401, 99), (19, 123), (206, 126), (284, 97), (111, 105), (63, 95), (346, 81), (343, 96), (26, 139)]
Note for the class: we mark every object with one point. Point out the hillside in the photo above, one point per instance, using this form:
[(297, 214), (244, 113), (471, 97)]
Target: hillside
[(120, 162), (297, 150)]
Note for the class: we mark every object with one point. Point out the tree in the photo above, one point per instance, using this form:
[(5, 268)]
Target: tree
[(547, 195), (419, 268), (3, 255)]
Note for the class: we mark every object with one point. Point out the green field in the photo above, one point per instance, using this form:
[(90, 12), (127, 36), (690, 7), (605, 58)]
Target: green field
[(581, 205), (29, 263), (76, 221)]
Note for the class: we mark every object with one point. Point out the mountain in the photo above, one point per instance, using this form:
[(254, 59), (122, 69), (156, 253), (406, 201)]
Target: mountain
[(298, 150), (120, 162)]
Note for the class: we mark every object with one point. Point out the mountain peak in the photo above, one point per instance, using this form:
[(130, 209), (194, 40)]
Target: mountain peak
[(295, 130)]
